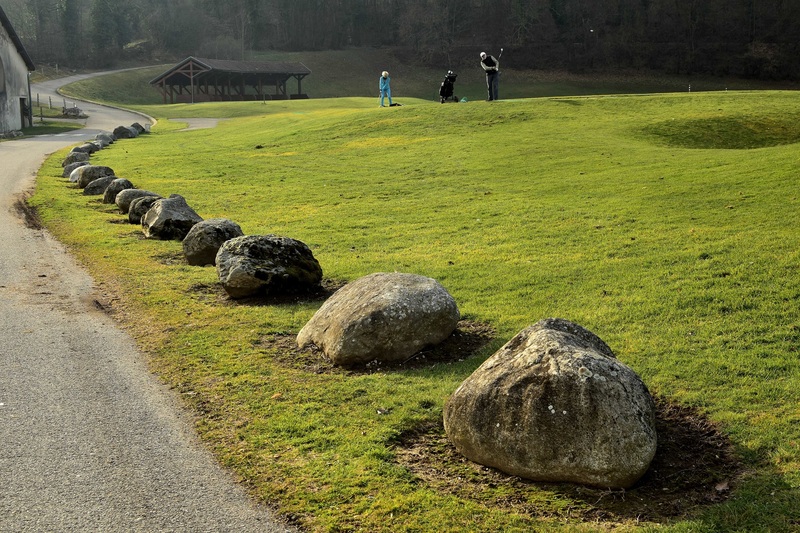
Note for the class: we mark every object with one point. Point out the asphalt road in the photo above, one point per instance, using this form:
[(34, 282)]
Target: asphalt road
[(89, 439)]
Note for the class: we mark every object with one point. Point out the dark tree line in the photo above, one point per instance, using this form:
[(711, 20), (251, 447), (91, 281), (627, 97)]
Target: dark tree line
[(752, 38)]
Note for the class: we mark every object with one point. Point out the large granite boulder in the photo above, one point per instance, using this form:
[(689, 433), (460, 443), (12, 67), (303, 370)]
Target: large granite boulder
[(255, 265), (75, 157), (169, 219), (384, 317), (554, 404), (139, 207), (88, 148), (125, 132), (87, 174), (101, 142), (105, 138), (73, 112), (75, 175), (98, 186), (125, 197), (72, 166), (114, 188), (203, 241), (139, 128)]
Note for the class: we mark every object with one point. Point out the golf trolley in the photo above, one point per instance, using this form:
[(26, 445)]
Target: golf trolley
[(446, 90)]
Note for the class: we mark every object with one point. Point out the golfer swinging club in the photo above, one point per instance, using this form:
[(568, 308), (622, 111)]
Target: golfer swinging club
[(491, 66)]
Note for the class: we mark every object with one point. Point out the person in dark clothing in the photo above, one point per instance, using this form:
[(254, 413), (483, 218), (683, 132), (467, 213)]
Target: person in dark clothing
[(491, 66)]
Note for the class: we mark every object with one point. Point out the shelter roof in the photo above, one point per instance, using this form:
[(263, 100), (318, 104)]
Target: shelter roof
[(268, 69), (16, 40)]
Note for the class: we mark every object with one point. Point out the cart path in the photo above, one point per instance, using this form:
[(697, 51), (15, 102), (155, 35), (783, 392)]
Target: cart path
[(198, 123), (90, 440)]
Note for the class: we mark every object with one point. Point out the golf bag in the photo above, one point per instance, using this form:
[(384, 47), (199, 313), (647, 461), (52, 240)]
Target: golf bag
[(446, 90)]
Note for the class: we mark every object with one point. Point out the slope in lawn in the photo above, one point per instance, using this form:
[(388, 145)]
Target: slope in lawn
[(683, 259)]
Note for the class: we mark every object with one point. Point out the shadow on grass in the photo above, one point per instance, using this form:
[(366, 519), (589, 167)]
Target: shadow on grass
[(217, 293), (466, 341)]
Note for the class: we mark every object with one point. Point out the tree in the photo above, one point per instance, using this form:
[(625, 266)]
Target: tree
[(104, 37), (72, 29), (745, 37)]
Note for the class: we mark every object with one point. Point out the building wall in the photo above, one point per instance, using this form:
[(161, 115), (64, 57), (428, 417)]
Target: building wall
[(13, 84)]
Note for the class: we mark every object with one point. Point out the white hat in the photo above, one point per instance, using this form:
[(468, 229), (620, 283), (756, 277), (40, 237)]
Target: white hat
[(483, 55), (385, 74)]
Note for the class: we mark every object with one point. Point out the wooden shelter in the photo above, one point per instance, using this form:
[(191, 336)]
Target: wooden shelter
[(218, 80)]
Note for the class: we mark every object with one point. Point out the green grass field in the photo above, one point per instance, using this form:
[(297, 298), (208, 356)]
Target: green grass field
[(666, 224), (49, 127)]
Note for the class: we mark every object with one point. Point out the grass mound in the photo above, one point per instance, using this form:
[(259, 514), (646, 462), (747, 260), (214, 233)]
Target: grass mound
[(738, 132), (685, 261)]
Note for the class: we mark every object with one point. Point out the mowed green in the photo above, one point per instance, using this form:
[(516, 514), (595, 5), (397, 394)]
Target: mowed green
[(667, 225)]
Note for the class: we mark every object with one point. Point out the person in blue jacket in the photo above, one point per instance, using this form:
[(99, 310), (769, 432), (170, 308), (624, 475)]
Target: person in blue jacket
[(385, 89)]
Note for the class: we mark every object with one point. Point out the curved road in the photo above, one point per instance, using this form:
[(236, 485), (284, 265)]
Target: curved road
[(89, 439)]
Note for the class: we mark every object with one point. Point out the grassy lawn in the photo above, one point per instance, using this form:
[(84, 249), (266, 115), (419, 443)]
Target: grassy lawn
[(49, 127), (666, 224)]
